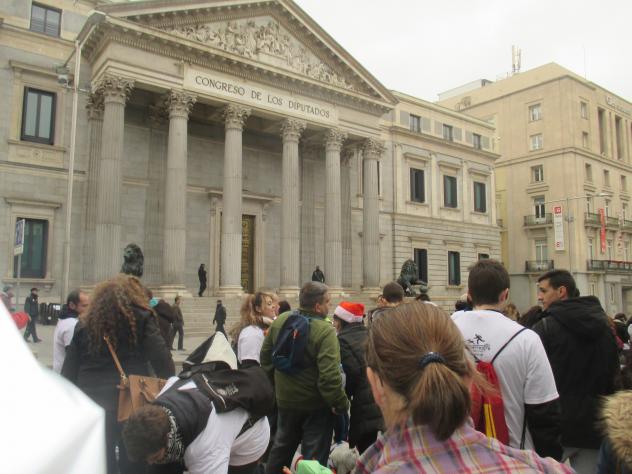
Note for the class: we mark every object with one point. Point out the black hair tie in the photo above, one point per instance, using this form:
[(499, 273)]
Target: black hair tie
[(429, 358)]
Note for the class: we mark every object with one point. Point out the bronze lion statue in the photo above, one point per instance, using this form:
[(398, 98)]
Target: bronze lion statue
[(133, 261), (409, 277)]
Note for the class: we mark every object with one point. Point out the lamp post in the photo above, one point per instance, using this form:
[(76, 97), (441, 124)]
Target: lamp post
[(569, 220), (62, 75)]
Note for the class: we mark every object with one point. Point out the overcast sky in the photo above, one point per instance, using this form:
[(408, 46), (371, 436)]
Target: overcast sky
[(424, 47)]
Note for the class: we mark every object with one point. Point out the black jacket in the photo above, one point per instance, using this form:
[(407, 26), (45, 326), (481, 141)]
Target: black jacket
[(220, 315), (96, 374), (366, 417), (165, 319), (583, 355), (31, 306)]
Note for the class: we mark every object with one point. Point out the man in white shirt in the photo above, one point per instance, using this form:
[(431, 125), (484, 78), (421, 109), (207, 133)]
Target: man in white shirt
[(76, 304), (526, 380)]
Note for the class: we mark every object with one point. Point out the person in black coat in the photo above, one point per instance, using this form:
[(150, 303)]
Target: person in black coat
[(166, 319), (31, 307), (202, 278), (366, 418), (119, 311), (220, 317), (581, 348)]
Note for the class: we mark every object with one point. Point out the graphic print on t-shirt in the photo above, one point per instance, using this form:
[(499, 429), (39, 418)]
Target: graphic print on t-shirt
[(478, 346)]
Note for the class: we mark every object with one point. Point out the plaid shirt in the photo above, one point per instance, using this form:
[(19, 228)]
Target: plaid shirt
[(415, 449)]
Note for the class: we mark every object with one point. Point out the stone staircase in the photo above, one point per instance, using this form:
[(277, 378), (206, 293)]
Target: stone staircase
[(198, 312)]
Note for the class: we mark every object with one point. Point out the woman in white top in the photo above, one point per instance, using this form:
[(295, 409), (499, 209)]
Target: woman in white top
[(257, 313)]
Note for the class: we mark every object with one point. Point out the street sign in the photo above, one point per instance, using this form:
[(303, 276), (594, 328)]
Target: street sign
[(558, 227), (18, 244)]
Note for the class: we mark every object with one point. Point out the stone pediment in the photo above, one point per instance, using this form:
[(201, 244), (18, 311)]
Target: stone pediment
[(264, 40), (275, 35)]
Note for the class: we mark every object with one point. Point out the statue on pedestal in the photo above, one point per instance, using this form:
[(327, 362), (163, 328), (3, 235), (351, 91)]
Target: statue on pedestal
[(133, 261), (409, 279)]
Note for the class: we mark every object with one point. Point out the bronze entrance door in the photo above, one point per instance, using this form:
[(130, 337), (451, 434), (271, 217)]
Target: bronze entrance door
[(248, 253)]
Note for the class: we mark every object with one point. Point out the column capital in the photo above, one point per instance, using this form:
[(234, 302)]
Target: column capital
[(291, 129), (372, 149), (95, 106), (334, 138), (114, 88), (179, 103), (235, 116)]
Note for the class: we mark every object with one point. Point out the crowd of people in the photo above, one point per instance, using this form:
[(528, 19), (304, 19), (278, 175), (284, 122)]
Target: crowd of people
[(403, 387)]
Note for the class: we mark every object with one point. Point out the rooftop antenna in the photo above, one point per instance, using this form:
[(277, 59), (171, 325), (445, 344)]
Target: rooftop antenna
[(516, 54)]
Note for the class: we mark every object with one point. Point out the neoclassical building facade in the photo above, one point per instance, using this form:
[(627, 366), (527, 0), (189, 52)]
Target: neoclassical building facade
[(235, 134)]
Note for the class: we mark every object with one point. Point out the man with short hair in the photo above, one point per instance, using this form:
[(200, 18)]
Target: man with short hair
[(392, 295), (583, 354), (220, 317), (178, 324), (309, 400), (76, 304), (31, 307), (524, 374)]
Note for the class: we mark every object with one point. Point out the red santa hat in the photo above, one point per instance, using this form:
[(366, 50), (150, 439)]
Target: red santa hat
[(350, 312)]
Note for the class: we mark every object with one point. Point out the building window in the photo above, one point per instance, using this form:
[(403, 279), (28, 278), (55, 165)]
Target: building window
[(38, 116), (609, 248), (454, 268), (541, 251), (449, 191), (607, 207), (480, 197), (589, 204), (45, 19), (606, 178), (624, 211), (585, 140), (538, 204), (537, 174), (476, 141), (448, 132), (583, 109), (421, 259), (536, 142), (483, 256), (588, 172), (417, 189), (535, 113), (591, 249), (35, 250), (415, 123), (624, 184)]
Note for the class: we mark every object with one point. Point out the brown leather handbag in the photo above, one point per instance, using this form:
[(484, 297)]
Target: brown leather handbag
[(135, 391)]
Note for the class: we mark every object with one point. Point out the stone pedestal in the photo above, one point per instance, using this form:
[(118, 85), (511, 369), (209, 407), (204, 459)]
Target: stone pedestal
[(230, 277), (371, 152), (108, 250), (179, 105), (291, 131)]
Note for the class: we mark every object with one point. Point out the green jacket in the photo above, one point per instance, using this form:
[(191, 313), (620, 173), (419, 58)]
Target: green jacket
[(319, 384)]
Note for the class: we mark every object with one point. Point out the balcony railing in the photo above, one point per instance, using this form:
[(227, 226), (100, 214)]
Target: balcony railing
[(546, 219), (590, 218), (593, 219), (536, 266), (610, 266)]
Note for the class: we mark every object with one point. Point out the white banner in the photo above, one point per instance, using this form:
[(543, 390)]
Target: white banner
[(18, 243), (558, 227)]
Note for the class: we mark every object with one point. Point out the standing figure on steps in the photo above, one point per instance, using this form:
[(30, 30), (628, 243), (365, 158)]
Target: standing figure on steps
[(220, 317), (202, 277)]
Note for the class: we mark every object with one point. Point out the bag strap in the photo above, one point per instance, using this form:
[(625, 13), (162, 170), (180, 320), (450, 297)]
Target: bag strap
[(116, 359), (506, 344)]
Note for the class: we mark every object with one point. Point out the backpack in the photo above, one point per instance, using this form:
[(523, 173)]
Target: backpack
[(488, 409), (288, 351)]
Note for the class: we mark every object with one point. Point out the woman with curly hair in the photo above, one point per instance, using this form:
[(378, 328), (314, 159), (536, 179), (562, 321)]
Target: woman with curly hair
[(257, 313), (120, 312)]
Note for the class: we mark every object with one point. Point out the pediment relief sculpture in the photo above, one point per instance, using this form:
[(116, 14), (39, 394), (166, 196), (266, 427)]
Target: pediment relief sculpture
[(265, 40)]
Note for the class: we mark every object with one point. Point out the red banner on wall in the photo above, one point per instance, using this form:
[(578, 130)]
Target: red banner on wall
[(602, 232)]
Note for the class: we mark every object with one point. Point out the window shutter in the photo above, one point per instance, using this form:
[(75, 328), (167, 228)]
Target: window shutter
[(404, 118), (457, 134)]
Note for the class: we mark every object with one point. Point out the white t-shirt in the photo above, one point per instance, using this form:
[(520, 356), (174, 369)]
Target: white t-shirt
[(523, 369), (249, 344), (61, 338), (218, 447)]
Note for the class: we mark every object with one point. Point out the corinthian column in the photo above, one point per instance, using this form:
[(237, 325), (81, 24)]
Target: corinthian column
[(95, 122), (371, 151), (333, 221), (108, 255), (230, 278), (179, 105), (291, 131)]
